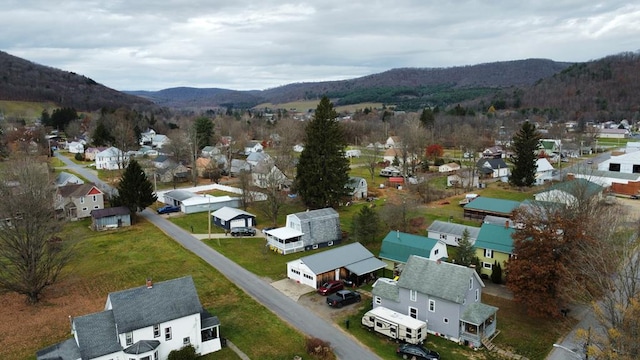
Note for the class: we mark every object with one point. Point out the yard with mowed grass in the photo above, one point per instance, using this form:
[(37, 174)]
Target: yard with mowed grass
[(118, 260)]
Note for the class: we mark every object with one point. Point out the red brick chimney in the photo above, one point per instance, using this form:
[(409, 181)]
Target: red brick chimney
[(149, 283), (506, 224)]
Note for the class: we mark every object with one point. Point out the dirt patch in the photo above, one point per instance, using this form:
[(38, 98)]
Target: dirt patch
[(318, 304)]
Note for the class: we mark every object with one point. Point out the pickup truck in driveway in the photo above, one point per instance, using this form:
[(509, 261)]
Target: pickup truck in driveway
[(343, 297)]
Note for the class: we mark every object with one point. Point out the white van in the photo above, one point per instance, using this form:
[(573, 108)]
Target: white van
[(395, 325)]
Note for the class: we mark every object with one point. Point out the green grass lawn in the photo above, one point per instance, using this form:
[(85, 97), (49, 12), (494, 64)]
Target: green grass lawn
[(113, 261)]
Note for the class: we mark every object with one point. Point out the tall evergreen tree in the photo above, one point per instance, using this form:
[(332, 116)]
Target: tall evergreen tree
[(365, 226), (204, 131), (135, 191), (465, 253), (323, 170), (102, 136), (427, 118), (525, 143)]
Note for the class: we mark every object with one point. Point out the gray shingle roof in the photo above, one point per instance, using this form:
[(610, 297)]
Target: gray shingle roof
[(97, 335), (317, 214), (141, 307), (437, 278), (118, 210), (386, 290), (477, 313), (142, 347), (67, 349), (336, 258), (444, 227)]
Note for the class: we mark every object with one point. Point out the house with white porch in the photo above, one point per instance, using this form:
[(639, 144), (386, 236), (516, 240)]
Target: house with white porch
[(111, 159), (142, 323), (307, 230)]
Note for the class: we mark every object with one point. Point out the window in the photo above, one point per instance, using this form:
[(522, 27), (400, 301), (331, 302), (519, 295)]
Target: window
[(96, 206), (156, 330), (413, 295), (155, 355), (84, 209), (315, 246), (488, 253), (330, 243), (487, 265), (81, 199), (377, 300), (432, 305), (94, 198), (413, 312), (445, 320), (470, 283), (436, 252), (167, 334), (443, 236), (146, 358), (186, 341), (129, 337), (477, 295)]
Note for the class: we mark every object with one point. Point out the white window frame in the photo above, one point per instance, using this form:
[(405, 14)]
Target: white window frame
[(81, 199), (167, 333), (436, 251), (470, 283), (477, 295), (377, 300), (413, 295), (156, 331), (413, 311), (488, 253), (186, 341), (487, 265), (128, 338), (445, 320), (95, 198), (432, 305)]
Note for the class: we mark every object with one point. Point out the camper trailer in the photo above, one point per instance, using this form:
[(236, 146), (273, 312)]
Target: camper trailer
[(389, 172), (395, 325)]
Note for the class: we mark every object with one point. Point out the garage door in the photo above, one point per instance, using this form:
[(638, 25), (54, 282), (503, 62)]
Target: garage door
[(237, 223)]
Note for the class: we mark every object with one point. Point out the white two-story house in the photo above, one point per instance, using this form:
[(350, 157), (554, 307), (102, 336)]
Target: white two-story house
[(447, 296), (111, 159), (143, 323)]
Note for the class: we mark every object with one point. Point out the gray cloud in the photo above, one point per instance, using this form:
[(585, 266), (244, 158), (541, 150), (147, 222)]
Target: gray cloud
[(246, 44)]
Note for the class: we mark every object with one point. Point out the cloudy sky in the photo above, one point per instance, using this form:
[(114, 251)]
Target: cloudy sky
[(259, 44)]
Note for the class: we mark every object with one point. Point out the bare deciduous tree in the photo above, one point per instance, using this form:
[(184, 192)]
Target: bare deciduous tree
[(31, 257)]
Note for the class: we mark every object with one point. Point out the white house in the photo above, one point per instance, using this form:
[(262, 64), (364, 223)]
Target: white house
[(445, 168), (353, 153), (393, 142), (158, 141), (75, 147), (544, 171), (492, 168), (451, 233), (142, 323), (357, 187), (307, 230), (111, 159), (65, 178), (253, 146), (570, 192)]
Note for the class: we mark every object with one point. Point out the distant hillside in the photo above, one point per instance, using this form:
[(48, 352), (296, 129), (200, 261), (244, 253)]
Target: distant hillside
[(409, 88), (600, 90), (22, 80)]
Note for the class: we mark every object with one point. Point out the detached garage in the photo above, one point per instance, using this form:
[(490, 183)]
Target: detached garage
[(351, 262), (228, 217)]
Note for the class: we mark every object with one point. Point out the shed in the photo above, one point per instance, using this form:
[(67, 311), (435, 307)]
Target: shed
[(110, 218), (227, 217), (352, 262), (483, 206)]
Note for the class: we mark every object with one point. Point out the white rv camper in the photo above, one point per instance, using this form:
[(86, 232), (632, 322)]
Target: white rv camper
[(395, 325)]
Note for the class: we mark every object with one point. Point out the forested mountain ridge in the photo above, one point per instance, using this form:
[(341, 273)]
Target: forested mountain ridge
[(23, 80), (408, 88)]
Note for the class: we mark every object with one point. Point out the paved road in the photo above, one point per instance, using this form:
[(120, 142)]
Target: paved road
[(295, 314)]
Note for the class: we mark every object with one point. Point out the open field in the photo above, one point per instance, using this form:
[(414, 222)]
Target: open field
[(111, 261), (25, 110)]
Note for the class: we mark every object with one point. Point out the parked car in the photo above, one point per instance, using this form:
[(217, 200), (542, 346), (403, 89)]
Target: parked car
[(330, 287), (343, 297), (410, 351), (243, 231), (168, 209)]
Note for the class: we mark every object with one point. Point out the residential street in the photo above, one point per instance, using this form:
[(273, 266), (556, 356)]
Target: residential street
[(295, 314)]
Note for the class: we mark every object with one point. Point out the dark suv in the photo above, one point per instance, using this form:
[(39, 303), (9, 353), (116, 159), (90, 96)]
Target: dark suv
[(409, 351), (243, 231)]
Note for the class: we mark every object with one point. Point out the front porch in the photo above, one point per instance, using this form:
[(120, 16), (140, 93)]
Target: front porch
[(284, 240), (477, 322)]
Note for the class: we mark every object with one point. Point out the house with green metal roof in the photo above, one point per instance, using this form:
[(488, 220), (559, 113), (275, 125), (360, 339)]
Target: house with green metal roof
[(483, 206), (494, 244), (398, 246), (570, 192), (447, 296)]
